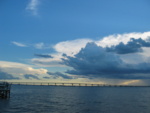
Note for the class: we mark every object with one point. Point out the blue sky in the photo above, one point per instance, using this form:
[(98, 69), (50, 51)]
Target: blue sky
[(37, 34)]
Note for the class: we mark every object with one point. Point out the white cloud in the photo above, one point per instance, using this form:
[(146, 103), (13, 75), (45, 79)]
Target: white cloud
[(117, 38), (47, 62), (19, 69), (14, 70), (19, 44), (33, 7), (41, 45), (71, 47)]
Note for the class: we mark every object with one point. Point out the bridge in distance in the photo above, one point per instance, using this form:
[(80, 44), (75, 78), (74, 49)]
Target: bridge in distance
[(71, 84)]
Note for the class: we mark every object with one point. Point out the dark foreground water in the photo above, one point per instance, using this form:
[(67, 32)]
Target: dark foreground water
[(59, 99)]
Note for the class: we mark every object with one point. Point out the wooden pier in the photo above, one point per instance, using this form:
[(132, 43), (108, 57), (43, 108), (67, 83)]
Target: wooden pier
[(5, 90)]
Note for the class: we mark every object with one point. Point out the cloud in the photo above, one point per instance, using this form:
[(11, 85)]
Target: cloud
[(19, 44), (19, 69), (71, 47), (59, 74), (31, 76), (33, 7), (125, 38), (133, 46), (118, 43), (95, 61), (39, 45), (43, 55), (46, 77), (131, 82), (47, 62), (6, 76)]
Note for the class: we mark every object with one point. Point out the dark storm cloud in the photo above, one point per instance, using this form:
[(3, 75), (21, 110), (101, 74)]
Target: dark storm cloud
[(95, 61), (4, 75), (43, 55), (46, 77), (134, 45), (27, 76), (59, 74)]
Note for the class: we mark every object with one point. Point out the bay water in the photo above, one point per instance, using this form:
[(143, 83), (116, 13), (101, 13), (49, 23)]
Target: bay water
[(65, 99)]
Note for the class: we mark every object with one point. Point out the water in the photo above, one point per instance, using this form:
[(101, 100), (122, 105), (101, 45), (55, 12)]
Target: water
[(59, 99)]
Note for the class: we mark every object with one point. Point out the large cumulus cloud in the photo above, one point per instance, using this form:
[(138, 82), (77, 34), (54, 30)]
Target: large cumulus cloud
[(95, 61), (72, 47), (133, 46)]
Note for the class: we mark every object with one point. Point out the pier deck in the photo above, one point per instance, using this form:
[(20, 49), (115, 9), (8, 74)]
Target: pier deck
[(4, 90)]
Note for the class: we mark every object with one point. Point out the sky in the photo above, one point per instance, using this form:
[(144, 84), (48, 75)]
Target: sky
[(100, 41)]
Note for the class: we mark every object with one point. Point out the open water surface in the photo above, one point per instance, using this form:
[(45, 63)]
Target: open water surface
[(59, 99)]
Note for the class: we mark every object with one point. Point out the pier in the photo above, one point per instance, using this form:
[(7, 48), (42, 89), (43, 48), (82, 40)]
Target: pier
[(5, 90)]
